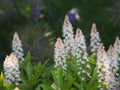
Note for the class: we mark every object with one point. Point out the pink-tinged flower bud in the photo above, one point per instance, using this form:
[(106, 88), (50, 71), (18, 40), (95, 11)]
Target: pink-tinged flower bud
[(68, 40), (117, 48), (17, 47), (113, 59), (59, 54), (11, 70), (94, 40), (105, 73), (81, 55)]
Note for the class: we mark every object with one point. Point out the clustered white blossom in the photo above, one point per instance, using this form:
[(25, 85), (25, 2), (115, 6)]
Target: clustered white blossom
[(17, 47), (81, 55), (105, 73), (94, 39), (68, 36), (11, 70), (107, 62), (113, 59), (117, 48), (59, 54), (72, 47)]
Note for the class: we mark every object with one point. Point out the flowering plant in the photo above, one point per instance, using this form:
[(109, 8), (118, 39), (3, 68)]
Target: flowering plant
[(74, 67)]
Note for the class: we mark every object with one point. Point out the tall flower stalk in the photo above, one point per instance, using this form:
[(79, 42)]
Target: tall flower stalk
[(94, 40), (117, 48), (11, 70), (105, 73), (17, 47), (81, 55), (68, 36), (113, 59), (117, 53), (59, 54)]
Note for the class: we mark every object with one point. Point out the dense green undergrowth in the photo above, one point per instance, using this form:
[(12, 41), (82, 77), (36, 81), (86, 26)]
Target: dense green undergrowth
[(47, 77)]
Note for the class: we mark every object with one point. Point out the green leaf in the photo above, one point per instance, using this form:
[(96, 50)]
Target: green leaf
[(24, 81), (73, 67), (38, 68), (46, 87), (54, 76), (69, 83), (38, 88), (29, 70), (93, 79), (1, 78), (92, 59), (1, 81), (78, 85), (93, 83), (9, 87), (30, 74), (27, 58), (58, 77)]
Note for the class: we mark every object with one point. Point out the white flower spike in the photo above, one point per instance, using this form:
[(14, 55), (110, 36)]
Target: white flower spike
[(81, 55), (11, 70), (68, 36), (59, 54), (105, 73), (17, 47), (117, 47), (94, 40)]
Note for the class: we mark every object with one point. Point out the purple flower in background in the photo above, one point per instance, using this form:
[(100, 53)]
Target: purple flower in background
[(71, 17), (35, 13)]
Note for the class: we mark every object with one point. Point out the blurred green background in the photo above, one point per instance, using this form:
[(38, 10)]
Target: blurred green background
[(39, 23)]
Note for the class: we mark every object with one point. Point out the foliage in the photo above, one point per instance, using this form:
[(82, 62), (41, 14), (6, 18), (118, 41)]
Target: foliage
[(44, 77), (4, 86), (30, 74), (70, 80)]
